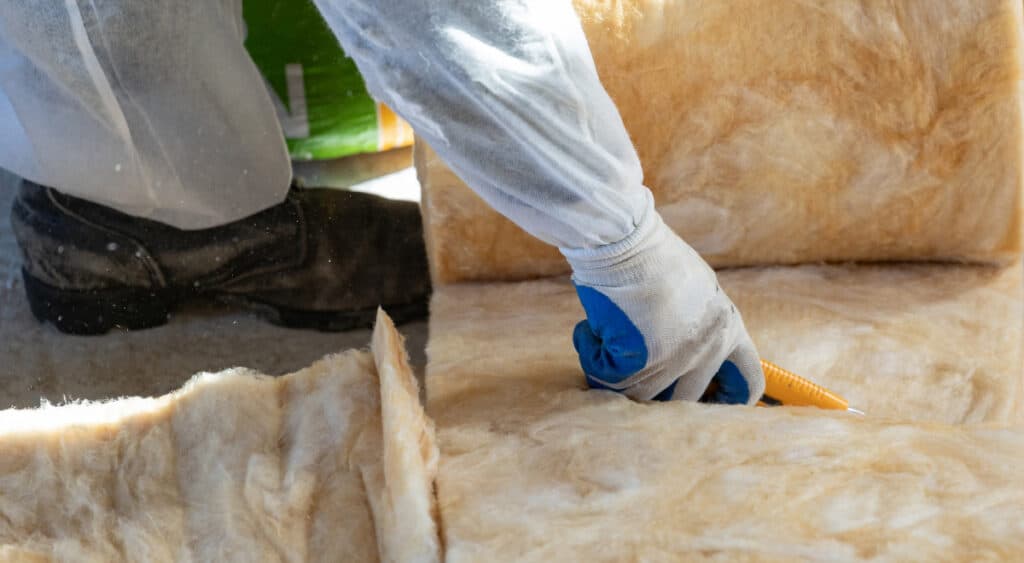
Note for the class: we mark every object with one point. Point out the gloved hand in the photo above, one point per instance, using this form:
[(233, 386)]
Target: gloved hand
[(658, 325)]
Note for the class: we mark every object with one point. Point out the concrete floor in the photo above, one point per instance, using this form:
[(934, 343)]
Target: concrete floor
[(39, 363)]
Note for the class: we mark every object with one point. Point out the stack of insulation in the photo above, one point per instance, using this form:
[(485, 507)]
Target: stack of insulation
[(853, 168)]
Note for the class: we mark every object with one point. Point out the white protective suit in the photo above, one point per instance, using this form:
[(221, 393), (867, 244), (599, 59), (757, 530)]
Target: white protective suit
[(153, 108), (160, 113)]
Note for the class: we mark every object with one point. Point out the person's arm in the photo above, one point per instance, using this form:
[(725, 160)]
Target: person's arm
[(506, 92)]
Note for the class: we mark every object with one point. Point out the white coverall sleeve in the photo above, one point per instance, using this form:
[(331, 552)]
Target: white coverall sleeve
[(506, 92)]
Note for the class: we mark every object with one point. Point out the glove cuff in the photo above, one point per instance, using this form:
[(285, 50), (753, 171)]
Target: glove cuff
[(624, 262)]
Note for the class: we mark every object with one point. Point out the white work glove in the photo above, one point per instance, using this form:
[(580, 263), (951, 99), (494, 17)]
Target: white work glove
[(658, 325)]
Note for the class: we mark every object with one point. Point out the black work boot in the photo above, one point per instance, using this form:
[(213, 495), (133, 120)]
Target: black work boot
[(322, 259)]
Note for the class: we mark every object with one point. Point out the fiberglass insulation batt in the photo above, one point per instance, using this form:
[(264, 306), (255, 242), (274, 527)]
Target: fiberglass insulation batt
[(535, 468), (781, 131), (333, 463)]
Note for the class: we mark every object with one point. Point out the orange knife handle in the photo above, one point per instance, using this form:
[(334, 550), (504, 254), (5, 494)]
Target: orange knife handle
[(790, 389)]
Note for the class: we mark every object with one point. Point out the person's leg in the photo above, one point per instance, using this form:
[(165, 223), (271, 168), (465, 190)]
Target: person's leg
[(155, 111), (322, 259), (147, 117)]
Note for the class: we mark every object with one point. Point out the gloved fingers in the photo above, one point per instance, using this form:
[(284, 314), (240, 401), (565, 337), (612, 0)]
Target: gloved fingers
[(690, 386), (741, 377), (730, 385)]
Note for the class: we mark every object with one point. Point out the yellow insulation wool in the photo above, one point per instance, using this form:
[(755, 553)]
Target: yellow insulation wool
[(535, 468), (235, 466), (780, 132)]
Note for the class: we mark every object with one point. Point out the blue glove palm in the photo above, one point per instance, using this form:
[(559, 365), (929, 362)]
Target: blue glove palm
[(610, 346)]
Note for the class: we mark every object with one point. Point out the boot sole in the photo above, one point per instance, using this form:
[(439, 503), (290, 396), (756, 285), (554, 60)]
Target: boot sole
[(90, 312), (95, 312)]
